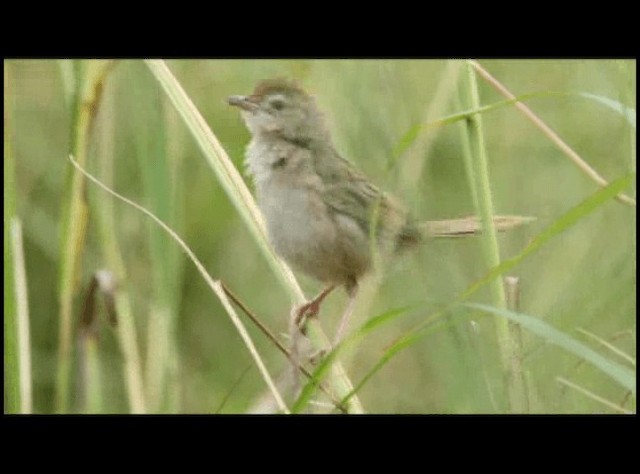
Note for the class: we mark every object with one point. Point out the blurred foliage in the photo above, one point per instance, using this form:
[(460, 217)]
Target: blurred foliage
[(584, 278)]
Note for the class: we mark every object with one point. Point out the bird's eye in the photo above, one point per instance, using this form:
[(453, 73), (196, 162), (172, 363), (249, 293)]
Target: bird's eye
[(277, 104)]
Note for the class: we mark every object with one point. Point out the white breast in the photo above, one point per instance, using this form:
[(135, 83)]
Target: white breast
[(328, 246)]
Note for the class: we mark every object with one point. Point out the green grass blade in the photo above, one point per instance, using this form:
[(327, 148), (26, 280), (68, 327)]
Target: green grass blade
[(158, 186), (627, 112), (226, 172), (94, 398), (112, 255), (593, 396), (582, 165), (583, 277), (74, 214), (395, 348), (566, 221), (384, 318), (617, 372), (242, 200), (608, 345), (68, 79), (89, 80), (218, 288), (412, 134), (22, 312), (322, 369), (415, 162), (11, 361), (479, 174), (586, 207)]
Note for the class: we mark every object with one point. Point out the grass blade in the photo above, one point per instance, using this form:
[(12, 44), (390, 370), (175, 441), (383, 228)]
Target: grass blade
[(410, 136), (22, 312), (593, 396), (615, 371), (549, 133), (414, 132), (159, 194), (101, 286), (325, 364), (11, 357), (250, 346), (216, 286), (227, 174), (567, 220), (609, 346), (89, 80), (561, 224), (244, 203), (114, 260), (477, 166), (417, 159), (627, 112)]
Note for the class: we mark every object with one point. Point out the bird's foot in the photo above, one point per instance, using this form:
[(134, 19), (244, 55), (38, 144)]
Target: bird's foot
[(304, 313), (310, 310)]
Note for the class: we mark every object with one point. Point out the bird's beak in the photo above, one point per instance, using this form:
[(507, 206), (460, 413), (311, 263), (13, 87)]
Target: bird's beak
[(243, 101)]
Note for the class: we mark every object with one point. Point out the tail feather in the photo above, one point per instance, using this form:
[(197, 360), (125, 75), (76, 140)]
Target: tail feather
[(470, 225)]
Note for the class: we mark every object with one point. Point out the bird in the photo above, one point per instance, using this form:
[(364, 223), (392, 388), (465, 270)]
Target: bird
[(321, 212)]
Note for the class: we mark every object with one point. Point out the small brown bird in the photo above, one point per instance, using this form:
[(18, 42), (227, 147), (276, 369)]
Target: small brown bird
[(321, 212)]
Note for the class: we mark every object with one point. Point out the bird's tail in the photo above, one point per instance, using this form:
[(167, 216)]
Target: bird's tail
[(470, 225)]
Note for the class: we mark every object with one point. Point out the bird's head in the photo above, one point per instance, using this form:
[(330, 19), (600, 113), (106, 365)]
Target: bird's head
[(280, 108)]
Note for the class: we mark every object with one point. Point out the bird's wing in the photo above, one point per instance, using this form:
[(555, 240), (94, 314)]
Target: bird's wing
[(349, 192)]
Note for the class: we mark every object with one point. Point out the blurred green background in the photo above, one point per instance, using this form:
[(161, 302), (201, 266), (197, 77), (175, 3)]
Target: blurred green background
[(191, 355)]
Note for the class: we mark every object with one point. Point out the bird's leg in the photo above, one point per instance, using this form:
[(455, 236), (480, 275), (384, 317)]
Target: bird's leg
[(294, 352), (298, 320), (352, 290), (310, 309)]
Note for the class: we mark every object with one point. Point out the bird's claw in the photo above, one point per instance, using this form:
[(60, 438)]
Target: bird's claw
[(304, 312)]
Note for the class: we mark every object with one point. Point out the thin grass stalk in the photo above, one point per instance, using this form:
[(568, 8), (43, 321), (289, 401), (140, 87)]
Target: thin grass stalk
[(22, 311), (227, 174), (89, 77), (548, 132), (629, 69), (477, 347), (416, 131), (74, 225), (244, 203), (219, 290), (158, 185), (521, 402), (130, 352), (634, 228), (267, 332), (67, 70), (89, 384), (175, 137), (467, 154), (11, 357), (348, 344), (593, 396), (560, 225), (621, 374), (414, 164), (609, 346), (156, 359), (94, 401), (480, 170), (112, 255), (214, 285)]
